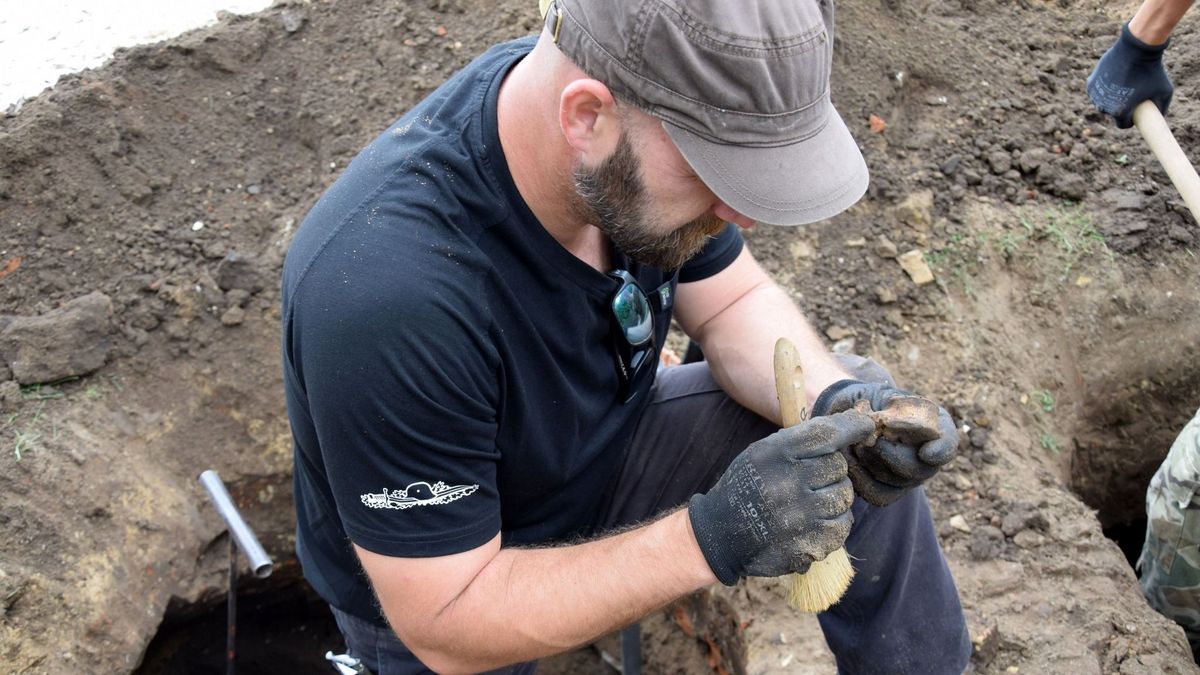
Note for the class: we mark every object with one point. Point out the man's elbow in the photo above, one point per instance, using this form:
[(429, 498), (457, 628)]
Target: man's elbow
[(443, 662), (421, 599), (447, 662), (440, 658), (444, 655)]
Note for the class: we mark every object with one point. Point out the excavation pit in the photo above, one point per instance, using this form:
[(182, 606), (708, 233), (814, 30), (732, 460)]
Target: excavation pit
[(282, 627), (240, 127), (1125, 434)]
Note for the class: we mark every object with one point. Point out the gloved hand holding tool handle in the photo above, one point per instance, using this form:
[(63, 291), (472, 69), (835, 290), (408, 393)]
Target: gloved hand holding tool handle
[(783, 503), (1129, 72), (1130, 84), (912, 438)]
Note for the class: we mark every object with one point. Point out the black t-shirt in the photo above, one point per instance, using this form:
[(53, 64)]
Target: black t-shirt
[(447, 364)]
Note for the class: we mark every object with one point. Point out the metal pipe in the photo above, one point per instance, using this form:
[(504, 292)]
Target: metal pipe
[(231, 611), (239, 531), (631, 650)]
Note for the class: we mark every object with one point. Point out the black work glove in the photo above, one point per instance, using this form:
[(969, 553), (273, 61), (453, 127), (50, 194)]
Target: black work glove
[(1130, 72), (783, 503), (882, 473)]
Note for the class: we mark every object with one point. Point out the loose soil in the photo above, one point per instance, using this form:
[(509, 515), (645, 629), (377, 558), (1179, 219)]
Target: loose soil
[(1061, 329)]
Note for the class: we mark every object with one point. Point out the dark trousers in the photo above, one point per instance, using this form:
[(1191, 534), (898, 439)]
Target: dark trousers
[(901, 614)]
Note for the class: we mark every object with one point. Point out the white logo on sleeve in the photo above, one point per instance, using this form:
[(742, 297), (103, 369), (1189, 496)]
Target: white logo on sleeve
[(417, 494)]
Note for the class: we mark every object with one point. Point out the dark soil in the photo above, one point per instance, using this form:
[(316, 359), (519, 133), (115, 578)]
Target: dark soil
[(1061, 328)]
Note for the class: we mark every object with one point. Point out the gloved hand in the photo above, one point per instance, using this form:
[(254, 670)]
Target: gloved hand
[(1130, 72), (782, 503), (882, 473)]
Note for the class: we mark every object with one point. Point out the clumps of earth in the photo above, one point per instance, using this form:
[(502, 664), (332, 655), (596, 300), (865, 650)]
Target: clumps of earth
[(1016, 257)]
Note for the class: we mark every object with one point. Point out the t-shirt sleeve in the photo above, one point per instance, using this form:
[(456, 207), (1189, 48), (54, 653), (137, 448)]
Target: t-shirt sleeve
[(400, 380), (720, 251)]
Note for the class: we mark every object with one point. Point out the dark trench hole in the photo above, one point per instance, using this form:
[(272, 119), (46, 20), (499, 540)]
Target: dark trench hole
[(1129, 536), (282, 627), (1124, 434)]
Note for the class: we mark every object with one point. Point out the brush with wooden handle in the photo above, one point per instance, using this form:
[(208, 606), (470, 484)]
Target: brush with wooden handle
[(906, 419), (826, 580)]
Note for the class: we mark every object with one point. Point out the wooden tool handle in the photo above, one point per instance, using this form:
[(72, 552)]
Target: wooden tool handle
[(789, 384), (1162, 143)]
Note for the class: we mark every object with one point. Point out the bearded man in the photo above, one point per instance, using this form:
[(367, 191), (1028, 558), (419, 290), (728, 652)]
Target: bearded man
[(489, 467)]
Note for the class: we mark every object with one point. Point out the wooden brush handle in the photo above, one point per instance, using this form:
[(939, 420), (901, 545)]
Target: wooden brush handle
[(789, 384)]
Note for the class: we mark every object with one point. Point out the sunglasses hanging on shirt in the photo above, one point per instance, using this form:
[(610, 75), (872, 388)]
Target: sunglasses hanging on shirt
[(633, 334)]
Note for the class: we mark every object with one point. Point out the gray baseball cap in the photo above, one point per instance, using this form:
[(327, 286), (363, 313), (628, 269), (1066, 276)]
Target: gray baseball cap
[(741, 87)]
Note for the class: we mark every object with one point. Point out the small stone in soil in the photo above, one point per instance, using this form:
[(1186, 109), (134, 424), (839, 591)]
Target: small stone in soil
[(843, 346), (978, 437), (884, 248), (1000, 162), (801, 250), (916, 210), (1028, 539), (986, 643), (836, 333), (233, 316), (987, 543), (914, 264)]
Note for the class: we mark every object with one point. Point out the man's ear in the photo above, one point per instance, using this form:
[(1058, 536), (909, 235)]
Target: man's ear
[(588, 116)]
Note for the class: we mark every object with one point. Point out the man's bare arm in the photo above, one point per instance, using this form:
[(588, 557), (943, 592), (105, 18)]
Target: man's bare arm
[(1155, 20), (782, 503), (737, 315), (491, 607)]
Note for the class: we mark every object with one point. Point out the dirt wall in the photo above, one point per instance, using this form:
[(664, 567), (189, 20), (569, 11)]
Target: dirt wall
[(1059, 328)]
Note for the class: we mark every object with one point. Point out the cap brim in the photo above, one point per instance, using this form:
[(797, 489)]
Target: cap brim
[(793, 184)]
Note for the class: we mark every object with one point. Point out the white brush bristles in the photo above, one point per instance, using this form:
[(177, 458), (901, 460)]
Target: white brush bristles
[(823, 584)]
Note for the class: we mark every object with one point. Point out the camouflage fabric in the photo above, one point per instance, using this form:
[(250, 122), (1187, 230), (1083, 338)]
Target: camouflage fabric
[(1170, 560)]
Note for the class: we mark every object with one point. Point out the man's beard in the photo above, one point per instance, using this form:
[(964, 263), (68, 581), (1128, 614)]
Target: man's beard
[(613, 197)]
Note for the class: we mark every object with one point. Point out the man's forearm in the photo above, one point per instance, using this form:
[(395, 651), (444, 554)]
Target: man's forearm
[(529, 603), (1155, 20), (739, 345)]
